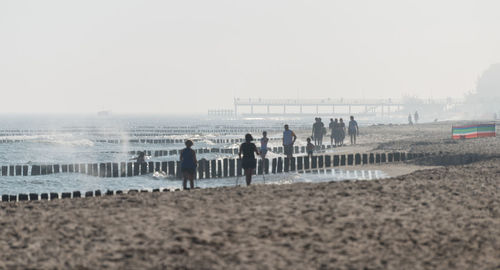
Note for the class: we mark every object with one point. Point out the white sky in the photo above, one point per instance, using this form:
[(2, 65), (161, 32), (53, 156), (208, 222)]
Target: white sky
[(192, 55)]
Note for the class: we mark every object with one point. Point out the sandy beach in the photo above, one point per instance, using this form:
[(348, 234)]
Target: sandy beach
[(441, 212)]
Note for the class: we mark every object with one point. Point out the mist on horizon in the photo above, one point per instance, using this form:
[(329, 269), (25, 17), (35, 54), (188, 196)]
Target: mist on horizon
[(186, 57)]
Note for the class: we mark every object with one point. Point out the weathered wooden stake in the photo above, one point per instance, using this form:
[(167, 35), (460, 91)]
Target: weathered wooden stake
[(300, 163), (321, 161), (102, 169), (314, 162), (151, 167), (226, 167), (365, 158), (116, 172), (232, 167), (292, 164), (213, 168), (95, 169), (286, 164), (280, 165), (328, 161), (274, 165), (171, 168), (123, 169), (219, 168)]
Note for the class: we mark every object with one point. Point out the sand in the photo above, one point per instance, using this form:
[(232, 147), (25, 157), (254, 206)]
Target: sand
[(445, 217)]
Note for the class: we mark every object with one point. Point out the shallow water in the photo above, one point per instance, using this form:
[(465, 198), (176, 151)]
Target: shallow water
[(53, 139), (68, 182)]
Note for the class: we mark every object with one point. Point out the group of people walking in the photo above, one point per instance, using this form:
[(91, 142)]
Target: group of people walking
[(248, 150), (337, 129), (415, 116)]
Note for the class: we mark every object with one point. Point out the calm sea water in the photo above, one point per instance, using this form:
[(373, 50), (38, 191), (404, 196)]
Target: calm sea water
[(55, 139)]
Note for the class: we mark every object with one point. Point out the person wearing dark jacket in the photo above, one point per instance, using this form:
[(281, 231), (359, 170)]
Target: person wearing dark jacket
[(188, 164), (248, 161)]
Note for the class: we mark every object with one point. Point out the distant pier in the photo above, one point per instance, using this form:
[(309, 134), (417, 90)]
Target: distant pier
[(316, 106), (328, 106)]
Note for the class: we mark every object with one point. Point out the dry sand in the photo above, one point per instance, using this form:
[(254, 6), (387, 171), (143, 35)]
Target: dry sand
[(438, 218)]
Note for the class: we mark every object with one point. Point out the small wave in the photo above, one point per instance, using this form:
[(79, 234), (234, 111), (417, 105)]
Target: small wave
[(81, 142), (60, 139), (161, 175)]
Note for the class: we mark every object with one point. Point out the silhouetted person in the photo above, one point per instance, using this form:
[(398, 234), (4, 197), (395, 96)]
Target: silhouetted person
[(415, 116), (289, 138), (248, 162), (141, 157), (341, 131), (336, 132), (188, 164), (331, 125), (409, 119), (309, 148), (263, 145), (317, 131), (353, 130)]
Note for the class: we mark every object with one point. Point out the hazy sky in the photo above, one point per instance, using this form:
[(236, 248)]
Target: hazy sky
[(189, 56)]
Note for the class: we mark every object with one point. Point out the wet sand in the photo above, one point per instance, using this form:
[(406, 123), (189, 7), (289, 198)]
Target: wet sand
[(445, 217)]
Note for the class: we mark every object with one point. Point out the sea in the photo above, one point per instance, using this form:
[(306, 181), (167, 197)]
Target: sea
[(74, 139)]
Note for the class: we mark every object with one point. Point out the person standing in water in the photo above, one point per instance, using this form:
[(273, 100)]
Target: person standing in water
[(141, 157), (309, 148), (341, 132), (188, 164), (248, 162), (289, 138), (263, 145), (353, 130)]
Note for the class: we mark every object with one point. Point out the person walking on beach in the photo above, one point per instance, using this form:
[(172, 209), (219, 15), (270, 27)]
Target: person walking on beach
[(188, 164), (409, 119), (330, 127), (335, 132), (353, 130), (317, 131), (289, 138), (248, 162), (341, 132), (263, 145), (415, 116), (309, 148)]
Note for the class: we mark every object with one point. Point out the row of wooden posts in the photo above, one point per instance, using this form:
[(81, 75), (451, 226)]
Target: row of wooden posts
[(25, 170), (227, 167), (153, 141), (74, 194), (234, 151), (141, 132)]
